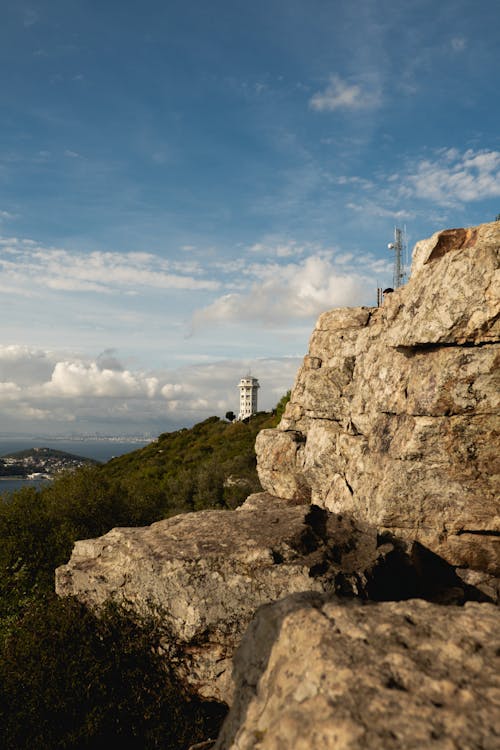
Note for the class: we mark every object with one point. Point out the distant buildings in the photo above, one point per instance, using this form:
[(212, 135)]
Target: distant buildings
[(40, 463), (248, 396)]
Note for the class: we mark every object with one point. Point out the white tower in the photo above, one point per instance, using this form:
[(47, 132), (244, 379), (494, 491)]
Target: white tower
[(248, 396)]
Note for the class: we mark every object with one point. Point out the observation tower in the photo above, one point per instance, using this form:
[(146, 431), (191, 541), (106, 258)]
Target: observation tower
[(248, 396)]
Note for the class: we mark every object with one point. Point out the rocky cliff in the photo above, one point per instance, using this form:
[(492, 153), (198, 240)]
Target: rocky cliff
[(381, 483), (394, 414)]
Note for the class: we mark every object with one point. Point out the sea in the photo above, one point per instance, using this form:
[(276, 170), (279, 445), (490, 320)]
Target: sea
[(100, 450)]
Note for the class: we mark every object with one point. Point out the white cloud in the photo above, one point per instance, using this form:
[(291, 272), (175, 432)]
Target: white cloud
[(274, 247), (40, 415), (373, 209), (452, 177), (25, 366), (448, 178), (101, 392), (76, 379), (280, 293), (32, 373), (172, 391), (35, 266), (9, 391), (340, 94)]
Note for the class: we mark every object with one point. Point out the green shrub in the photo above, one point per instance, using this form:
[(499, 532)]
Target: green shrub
[(72, 679)]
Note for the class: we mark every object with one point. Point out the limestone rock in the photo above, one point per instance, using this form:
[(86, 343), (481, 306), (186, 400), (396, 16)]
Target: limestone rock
[(393, 417), (206, 573), (312, 673)]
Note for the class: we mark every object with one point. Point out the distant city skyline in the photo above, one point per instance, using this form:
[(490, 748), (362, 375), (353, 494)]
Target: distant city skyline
[(184, 188)]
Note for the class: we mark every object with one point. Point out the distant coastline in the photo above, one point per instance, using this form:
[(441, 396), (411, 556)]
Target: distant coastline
[(80, 438), (101, 449)]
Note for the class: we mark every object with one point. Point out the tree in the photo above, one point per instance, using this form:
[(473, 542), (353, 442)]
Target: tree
[(230, 416), (280, 406)]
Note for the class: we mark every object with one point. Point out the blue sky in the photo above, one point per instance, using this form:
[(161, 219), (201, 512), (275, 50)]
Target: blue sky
[(184, 187)]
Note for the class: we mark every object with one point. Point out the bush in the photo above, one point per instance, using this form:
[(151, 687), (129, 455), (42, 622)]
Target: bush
[(72, 679), (281, 405)]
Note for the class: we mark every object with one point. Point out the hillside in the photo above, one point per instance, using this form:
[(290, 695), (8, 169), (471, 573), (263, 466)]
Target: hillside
[(212, 463)]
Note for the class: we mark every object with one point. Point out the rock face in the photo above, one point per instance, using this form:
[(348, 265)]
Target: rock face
[(208, 572), (312, 673), (393, 418)]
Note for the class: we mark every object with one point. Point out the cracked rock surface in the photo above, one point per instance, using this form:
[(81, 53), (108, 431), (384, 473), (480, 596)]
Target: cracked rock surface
[(312, 673), (394, 415), (207, 573)]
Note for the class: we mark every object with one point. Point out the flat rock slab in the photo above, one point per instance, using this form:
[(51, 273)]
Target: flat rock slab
[(207, 573), (312, 673)]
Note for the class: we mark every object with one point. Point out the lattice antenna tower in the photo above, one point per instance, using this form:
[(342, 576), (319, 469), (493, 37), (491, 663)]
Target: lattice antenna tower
[(400, 259)]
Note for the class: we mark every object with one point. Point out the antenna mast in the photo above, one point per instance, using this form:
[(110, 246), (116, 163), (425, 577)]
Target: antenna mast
[(399, 247)]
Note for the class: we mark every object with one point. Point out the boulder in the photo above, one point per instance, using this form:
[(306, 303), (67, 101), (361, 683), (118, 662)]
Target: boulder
[(318, 673), (205, 574), (393, 417)]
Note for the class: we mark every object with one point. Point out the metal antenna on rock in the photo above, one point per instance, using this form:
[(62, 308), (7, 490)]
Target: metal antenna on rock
[(399, 247), (399, 275)]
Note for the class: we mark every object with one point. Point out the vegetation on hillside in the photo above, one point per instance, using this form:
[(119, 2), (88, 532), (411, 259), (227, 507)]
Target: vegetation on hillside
[(210, 465), (70, 678)]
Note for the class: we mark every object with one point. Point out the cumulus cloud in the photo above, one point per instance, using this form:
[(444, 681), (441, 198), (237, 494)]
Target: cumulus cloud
[(9, 391), (280, 292), (107, 361), (340, 94), (25, 366), (175, 390), (101, 392), (452, 177), (76, 379)]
